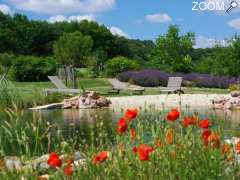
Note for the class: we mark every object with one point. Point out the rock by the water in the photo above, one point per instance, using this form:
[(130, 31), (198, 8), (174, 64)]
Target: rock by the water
[(227, 103), (87, 101), (235, 93), (12, 163)]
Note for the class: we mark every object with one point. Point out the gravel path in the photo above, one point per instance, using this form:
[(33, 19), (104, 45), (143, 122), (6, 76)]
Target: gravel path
[(192, 100)]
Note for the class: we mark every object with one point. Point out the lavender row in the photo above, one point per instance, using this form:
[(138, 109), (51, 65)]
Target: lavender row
[(153, 78)]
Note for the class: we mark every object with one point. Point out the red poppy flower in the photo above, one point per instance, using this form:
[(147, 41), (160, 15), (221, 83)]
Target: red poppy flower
[(187, 121), (173, 115), (101, 157), (135, 149), (204, 124), (133, 134), (226, 148), (237, 147), (144, 152), (205, 135), (131, 114), (122, 126), (68, 170), (214, 139), (54, 160)]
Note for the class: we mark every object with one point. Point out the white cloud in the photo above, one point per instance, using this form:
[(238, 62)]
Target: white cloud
[(55, 7), (117, 31), (61, 18), (204, 42), (235, 23), (5, 9), (158, 18)]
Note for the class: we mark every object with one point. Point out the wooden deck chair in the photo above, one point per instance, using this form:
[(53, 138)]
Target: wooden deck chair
[(174, 86), (61, 88), (117, 86)]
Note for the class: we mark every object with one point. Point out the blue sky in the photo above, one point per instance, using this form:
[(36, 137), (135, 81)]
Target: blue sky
[(137, 19)]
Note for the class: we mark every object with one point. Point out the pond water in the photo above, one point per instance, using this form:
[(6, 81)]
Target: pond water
[(83, 120), (89, 124)]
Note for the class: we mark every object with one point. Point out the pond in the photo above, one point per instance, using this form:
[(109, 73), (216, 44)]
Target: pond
[(88, 125), (82, 121)]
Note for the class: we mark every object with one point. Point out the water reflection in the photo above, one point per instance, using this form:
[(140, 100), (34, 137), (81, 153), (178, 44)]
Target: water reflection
[(87, 125)]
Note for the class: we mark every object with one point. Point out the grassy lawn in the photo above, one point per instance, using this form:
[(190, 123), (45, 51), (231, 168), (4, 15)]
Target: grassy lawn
[(101, 85)]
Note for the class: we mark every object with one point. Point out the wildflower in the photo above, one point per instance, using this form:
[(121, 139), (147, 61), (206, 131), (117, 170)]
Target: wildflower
[(237, 147), (169, 136), (131, 114), (226, 148), (135, 149), (100, 157), (204, 124), (68, 170), (133, 134), (144, 152), (122, 126), (54, 160), (173, 115), (205, 135), (187, 121), (214, 139)]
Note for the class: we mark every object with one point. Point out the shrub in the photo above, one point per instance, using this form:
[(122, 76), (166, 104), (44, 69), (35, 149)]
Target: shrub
[(120, 64), (29, 68), (152, 78)]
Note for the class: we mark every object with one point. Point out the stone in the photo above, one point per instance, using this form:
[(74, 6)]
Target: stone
[(235, 93), (227, 103), (12, 163), (44, 177), (77, 156), (89, 100)]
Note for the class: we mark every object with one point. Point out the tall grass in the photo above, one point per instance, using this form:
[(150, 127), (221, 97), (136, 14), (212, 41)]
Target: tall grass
[(30, 137), (23, 98), (185, 158)]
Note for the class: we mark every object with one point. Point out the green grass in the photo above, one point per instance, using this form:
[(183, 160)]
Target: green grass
[(102, 85), (32, 93)]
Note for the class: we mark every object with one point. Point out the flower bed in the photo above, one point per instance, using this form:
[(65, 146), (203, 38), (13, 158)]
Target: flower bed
[(169, 145), (153, 78)]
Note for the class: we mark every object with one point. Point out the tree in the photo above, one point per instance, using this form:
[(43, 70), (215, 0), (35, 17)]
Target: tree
[(171, 50), (120, 64), (72, 49)]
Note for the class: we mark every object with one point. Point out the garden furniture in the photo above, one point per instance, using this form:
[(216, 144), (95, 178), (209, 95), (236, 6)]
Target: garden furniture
[(174, 86)]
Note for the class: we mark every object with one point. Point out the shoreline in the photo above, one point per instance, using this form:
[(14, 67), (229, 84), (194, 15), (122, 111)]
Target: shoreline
[(168, 101)]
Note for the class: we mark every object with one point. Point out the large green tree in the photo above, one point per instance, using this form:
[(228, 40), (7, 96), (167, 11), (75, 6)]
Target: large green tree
[(172, 51), (72, 49)]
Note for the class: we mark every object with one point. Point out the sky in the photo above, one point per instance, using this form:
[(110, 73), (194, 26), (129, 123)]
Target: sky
[(140, 19)]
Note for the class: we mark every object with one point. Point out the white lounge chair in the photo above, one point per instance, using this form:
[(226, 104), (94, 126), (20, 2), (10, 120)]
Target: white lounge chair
[(61, 88), (174, 86), (117, 86)]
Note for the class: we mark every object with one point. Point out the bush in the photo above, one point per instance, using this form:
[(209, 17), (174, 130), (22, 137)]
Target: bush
[(120, 64), (29, 68), (153, 78)]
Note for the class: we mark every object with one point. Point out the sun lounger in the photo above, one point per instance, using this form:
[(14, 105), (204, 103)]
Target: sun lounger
[(117, 86), (61, 88), (174, 86)]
